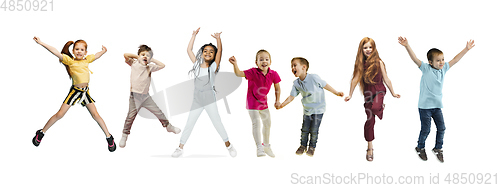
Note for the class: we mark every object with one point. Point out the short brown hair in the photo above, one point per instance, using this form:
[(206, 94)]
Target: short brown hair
[(303, 61), (143, 48), (262, 51), (433, 53)]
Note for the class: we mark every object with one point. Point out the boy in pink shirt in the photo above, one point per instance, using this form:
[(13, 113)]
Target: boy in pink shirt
[(142, 66), (260, 80)]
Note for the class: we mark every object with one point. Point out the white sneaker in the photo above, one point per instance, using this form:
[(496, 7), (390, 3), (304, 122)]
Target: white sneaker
[(123, 141), (267, 149), (260, 151), (177, 153), (232, 151), (171, 128)]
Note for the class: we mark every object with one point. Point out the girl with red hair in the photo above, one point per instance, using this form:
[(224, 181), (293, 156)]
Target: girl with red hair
[(370, 74)]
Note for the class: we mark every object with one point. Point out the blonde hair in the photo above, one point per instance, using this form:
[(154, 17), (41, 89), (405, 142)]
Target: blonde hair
[(262, 51)]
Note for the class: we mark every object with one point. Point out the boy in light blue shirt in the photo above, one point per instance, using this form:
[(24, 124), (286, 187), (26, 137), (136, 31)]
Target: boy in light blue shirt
[(310, 86), (430, 98)]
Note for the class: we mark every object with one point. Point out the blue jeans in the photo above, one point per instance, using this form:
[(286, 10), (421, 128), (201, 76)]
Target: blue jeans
[(310, 126), (425, 123)]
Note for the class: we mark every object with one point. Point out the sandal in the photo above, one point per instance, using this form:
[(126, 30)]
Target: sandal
[(369, 157)]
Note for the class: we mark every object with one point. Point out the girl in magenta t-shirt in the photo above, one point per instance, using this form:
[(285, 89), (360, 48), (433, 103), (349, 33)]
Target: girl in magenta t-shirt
[(260, 80)]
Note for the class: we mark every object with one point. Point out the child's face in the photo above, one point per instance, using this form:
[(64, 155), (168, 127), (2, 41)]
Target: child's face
[(367, 49), (79, 51), (437, 62), (208, 53), (263, 61), (144, 57), (298, 69)]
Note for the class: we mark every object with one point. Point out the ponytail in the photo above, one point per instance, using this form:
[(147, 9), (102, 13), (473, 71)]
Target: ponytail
[(66, 51)]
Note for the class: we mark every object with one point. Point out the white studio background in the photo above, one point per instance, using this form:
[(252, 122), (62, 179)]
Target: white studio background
[(327, 33)]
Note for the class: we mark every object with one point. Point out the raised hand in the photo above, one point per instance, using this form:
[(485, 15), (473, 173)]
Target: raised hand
[(232, 60), (37, 40), (216, 35), (470, 44), (195, 32), (403, 41)]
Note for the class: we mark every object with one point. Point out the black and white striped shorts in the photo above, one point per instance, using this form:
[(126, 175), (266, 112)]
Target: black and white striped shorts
[(78, 95)]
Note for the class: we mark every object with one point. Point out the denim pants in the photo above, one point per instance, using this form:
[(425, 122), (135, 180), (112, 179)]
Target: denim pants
[(425, 129), (310, 126)]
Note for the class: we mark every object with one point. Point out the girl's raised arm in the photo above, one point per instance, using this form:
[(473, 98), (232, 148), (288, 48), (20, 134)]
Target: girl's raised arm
[(49, 48), (219, 49), (387, 81), (99, 54), (190, 46)]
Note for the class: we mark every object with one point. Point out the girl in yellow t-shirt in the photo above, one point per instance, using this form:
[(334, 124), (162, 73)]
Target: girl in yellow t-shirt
[(77, 68)]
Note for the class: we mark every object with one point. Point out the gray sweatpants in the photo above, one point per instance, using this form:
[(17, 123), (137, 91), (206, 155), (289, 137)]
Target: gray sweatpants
[(136, 102)]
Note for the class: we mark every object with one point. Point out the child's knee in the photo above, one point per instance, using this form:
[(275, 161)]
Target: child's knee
[(60, 114)]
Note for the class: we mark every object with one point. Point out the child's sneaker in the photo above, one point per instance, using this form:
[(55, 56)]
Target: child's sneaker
[(439, 154), (310, 151), (178, 152), (301, 150), (171, 128), (231, 150), (260, 151), (111, 143), (421, 153), (267, 149), (123, 141), (38, 137)]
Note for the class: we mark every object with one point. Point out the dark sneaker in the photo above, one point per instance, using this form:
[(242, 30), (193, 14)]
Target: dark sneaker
[(421, 153), (301, 150), (439, 154), (111, 143), (38, 137), (310, 151)]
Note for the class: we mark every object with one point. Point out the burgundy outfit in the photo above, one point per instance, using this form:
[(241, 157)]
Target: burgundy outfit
[(374, 103)]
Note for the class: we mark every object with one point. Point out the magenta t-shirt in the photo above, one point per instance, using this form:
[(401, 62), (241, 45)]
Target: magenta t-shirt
[(258, 87)]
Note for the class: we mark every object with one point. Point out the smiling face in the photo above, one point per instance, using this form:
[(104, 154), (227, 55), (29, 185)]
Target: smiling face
[(263, 61), (367, 49), (437, 62), (208, 53), (144, 57), (79, 50), (298, 69)]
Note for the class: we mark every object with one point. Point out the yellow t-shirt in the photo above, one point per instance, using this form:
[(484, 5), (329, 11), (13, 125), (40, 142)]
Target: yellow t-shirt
[(79, 68)]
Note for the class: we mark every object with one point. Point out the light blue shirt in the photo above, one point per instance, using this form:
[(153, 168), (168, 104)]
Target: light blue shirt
[(431, 86), (313, 95)]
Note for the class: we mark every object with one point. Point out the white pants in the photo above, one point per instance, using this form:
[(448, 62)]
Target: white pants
[(202, 102), (256, 116)]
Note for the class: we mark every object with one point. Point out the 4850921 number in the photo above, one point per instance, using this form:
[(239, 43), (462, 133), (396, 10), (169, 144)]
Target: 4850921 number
[(27, 5)]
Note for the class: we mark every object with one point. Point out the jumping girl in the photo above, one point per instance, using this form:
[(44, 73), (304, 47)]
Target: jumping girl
[(370, 74), (77, 68), (205, 66)]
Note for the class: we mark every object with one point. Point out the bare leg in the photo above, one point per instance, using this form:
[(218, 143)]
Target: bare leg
[(64, 108), (93, 111), (370, 148)]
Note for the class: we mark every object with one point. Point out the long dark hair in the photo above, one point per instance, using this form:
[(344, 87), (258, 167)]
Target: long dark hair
[(199, 60), (66, 51)]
